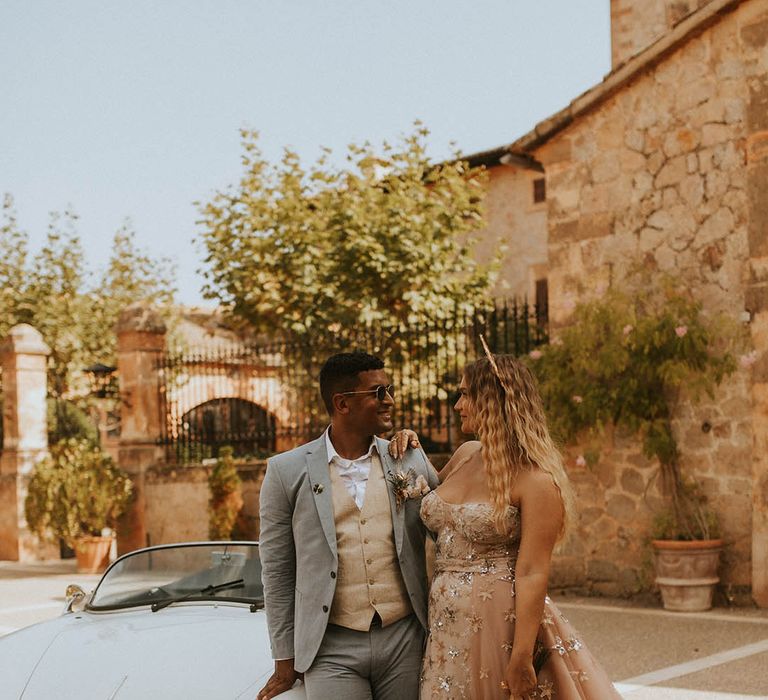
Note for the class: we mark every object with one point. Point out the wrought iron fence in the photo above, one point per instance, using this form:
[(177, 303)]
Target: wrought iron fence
[(263, 398)]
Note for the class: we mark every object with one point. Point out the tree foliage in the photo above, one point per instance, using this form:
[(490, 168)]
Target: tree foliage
[(306, 252), (73, 307)]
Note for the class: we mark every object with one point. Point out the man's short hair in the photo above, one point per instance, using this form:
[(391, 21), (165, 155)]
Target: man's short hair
[(339, 373)]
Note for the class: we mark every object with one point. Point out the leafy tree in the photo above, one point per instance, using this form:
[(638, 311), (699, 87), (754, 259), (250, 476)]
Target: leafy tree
[(324, 250), (14, 250), (53, 303), (130, 275), (55, 292)]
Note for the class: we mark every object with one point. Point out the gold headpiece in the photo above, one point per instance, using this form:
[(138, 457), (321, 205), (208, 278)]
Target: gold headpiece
[(507, 390), (488, 354)]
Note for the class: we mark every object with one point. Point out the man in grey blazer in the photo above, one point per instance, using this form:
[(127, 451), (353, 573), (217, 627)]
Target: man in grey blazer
[(342, 549)]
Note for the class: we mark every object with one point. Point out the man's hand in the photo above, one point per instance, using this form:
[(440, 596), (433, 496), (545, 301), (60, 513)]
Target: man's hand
[(281, 680), (401, 441)]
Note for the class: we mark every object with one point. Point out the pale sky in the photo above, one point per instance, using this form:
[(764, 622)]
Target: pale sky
[(132, 109)]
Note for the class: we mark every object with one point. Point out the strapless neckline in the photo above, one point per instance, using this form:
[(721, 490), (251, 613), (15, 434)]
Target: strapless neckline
[(470, 504)]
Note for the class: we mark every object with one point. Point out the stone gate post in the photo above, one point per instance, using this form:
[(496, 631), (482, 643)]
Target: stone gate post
[(140, 342), (23, 355)]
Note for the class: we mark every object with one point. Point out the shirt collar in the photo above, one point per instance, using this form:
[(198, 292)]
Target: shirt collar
[(332, 454)]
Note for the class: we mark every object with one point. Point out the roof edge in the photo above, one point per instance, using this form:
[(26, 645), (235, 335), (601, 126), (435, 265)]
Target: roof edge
[(501, 156)]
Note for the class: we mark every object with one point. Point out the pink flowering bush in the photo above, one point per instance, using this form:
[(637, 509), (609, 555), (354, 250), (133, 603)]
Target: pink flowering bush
[(624, 359), (748, 359)]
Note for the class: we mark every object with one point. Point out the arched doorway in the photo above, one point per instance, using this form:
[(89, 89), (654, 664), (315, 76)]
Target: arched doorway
[(243, 425)]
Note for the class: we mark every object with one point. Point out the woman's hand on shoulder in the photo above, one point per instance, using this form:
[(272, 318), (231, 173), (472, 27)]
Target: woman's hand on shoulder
[(402, 441)]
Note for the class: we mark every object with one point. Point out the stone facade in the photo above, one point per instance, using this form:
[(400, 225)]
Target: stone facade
[(519, 225), (606, 553), (636, 24), (665, 165)]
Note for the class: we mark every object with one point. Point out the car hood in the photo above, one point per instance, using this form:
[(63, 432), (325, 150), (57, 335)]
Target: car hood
[(184, 651)]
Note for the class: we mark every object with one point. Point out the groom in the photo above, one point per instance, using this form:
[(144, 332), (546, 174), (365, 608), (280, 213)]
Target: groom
[(343, 563)]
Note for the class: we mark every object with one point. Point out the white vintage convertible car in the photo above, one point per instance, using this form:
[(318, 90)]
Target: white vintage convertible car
[(180, 621)]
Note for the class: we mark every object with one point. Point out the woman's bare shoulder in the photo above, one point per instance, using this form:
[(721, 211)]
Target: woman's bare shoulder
[(463, 452), (536, 482)]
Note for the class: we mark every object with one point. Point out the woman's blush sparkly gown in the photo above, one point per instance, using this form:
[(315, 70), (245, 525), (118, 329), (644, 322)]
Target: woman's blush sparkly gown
[(472, 615)]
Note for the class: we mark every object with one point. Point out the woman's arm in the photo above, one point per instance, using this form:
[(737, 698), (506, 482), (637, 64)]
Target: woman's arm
[(541, 513)]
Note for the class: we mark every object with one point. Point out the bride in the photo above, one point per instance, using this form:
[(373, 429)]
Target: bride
[(503, 502)]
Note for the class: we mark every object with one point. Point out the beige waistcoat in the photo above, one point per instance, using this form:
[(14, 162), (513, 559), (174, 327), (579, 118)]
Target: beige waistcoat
[(369, 578)]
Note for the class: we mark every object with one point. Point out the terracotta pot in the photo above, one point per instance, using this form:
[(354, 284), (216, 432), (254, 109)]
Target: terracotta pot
[(686, 573), (92, 554)]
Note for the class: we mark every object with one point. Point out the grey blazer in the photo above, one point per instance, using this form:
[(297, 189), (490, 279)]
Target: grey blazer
[(298, 546)]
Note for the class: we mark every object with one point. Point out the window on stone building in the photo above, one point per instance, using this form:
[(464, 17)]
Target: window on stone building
[(539, 190), (542, 302)]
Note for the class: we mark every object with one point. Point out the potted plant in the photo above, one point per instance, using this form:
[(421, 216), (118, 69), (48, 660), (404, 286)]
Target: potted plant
[(626, 360), (687, 549), (75, 494)]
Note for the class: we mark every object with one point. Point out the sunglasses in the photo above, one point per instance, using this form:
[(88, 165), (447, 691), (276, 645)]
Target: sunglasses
[(381, 392)]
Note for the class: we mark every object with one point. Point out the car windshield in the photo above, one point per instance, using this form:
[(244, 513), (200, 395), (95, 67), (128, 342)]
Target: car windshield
[(222, 571)]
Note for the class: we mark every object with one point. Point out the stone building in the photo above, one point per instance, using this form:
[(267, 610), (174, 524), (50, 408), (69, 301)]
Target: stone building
[(664, 163)]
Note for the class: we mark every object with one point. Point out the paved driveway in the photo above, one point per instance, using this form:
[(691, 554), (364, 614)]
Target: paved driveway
[(650, 654)]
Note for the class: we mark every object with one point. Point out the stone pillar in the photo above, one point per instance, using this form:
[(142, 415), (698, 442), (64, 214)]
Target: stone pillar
[(754, 34), (140, 343), (25, 438)]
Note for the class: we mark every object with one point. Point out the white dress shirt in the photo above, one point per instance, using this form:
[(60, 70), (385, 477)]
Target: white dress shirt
[(353, 472)]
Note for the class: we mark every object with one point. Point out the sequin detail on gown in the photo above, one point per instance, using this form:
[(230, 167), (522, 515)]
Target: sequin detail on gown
[(472, 615)]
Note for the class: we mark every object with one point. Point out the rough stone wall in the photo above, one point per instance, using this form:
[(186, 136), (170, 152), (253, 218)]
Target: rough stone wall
[(606, 552), (754, 36), (519, 224), (657, 175), (636, 24)]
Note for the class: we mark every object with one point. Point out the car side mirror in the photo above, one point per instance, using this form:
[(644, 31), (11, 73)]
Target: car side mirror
[(75, 598)]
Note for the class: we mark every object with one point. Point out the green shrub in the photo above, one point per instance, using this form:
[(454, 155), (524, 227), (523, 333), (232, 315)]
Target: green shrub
[(76, 491), (624, 360), (226, 498), (67, 420)]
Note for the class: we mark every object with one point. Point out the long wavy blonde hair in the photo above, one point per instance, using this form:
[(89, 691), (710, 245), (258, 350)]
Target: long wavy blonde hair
[(512, 428)]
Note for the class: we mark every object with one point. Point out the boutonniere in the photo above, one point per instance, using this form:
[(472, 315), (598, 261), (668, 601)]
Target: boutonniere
[(406, 485), (317, 488)]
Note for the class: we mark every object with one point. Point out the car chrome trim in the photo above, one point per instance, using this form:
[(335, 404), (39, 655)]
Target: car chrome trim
[(75, 598)]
